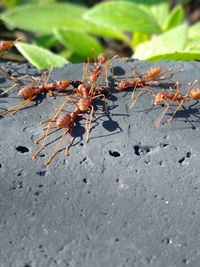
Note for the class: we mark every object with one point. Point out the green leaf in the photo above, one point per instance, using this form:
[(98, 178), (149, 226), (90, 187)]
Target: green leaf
[(122, 16), (193, 45), (194, 31), (177, 56), (175, 18), (168, 42), (160, 10), (139, 38), (80, 43), (40, 57), (46, 41), (43, 18)]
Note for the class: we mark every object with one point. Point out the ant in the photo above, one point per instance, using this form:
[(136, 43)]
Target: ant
[(31, 92), (153, 72), (5, 46), (67, 119), (162, 97), (100, 66)]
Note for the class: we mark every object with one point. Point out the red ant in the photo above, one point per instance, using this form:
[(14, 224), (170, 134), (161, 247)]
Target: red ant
[(99, 67), (5, 46), (67, 120), (30, 92), (153, 72), (162, 97)]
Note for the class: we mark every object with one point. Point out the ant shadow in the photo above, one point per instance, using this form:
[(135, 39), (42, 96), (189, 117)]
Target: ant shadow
[(190, 115)]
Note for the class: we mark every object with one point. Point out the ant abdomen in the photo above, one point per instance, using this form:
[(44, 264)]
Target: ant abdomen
[(84, 103), (153, 72), (27, 92), (194, 93), (63, 121)]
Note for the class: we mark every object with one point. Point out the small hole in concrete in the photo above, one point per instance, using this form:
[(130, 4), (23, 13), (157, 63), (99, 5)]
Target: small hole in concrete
[(166, 240), (116, 239), (114, 154), (164, 145), (137, 148), (188, 155), (40, 185), (37, 193), (85, 180), (117, 180), (0, 165), (185, 261), (181, 160), (83, 160), (81, 144), (42, 155), (22, 149), (41, 173)]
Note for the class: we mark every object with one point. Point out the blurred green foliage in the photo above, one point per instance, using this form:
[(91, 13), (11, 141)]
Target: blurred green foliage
[(150, 28)]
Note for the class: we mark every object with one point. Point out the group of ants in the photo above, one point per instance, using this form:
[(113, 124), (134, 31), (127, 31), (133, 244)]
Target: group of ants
[(86, 91)]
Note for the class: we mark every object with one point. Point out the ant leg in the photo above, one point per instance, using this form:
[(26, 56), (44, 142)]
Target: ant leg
[(179, 106), (7, 90), (67, 143), (159, 119), (190, 88), (56, 149), (15, 109), (142, 91), (23, 104), (49, 126), (90, 124), (36, 141)]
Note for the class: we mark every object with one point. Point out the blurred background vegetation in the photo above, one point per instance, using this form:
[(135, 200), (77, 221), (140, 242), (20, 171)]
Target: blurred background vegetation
[(55, 32)]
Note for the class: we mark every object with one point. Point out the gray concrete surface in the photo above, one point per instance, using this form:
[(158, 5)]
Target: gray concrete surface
[(130, 197)]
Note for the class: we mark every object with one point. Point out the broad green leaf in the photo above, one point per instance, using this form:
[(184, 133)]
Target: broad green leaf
[(193, 45), (46, 41), (40, 57), (175, 18), (139, 38), (122, 16), (194, 31), (181, 55), (168, 42), (43, 18), (80, 43), (160, 10)]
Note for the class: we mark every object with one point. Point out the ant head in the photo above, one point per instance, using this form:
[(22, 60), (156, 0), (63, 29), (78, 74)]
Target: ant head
[(102, 58), (62, 85), (123, 85), (160, 98), (82, 87)]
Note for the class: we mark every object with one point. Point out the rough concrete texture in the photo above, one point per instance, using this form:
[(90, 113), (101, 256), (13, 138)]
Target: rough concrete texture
[(130, 197)]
